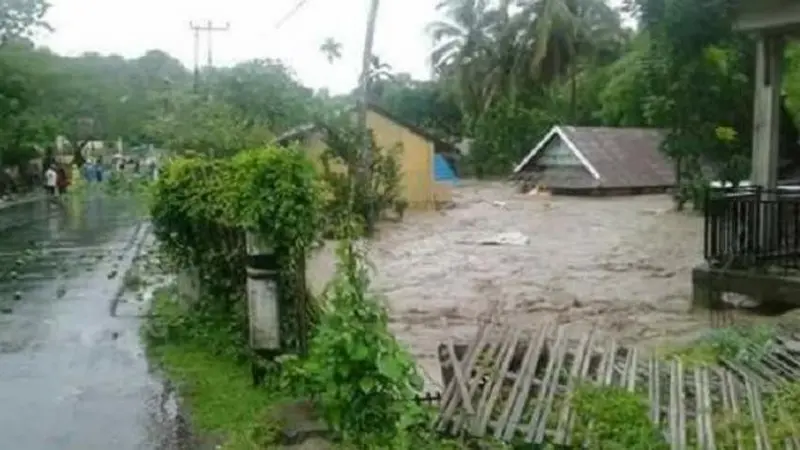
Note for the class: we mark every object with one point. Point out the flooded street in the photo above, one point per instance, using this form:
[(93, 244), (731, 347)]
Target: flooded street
[(622, 264), (73, 376)]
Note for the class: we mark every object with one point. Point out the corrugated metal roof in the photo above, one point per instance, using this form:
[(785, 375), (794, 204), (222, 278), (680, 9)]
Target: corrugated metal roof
[(623, 157)]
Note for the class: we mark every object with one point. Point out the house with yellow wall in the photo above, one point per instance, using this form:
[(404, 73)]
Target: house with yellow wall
[(416, 150)]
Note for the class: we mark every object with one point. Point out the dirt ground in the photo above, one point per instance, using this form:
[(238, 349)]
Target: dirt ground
[(621, 264)]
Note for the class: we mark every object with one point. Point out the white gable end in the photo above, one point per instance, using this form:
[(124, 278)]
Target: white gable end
[(558, 153)]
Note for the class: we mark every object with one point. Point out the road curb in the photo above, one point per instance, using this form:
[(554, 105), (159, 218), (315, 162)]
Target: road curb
[(13, 203), (131, 251)]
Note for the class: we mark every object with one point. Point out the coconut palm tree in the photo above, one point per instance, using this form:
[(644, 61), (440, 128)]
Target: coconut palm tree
[(496, 49), (331, 49)]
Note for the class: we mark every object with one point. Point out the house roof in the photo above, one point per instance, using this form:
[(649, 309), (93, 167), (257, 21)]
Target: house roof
[(615, 157), (303, 130)]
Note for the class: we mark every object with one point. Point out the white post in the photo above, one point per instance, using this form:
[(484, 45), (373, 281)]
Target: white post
[(766, 128), (767, 110), (262, 295)]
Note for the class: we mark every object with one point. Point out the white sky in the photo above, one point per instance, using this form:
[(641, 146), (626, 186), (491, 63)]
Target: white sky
[(131, 27)]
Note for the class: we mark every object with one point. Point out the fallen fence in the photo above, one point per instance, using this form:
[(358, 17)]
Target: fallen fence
[(516, 385)]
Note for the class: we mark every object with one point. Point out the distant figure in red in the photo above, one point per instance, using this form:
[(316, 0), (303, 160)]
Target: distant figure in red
[(62, 181)]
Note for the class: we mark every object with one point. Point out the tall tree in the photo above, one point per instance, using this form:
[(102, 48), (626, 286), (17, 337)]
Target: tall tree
[(20, 18)]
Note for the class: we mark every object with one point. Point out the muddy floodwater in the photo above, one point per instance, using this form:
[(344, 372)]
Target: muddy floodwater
[(622, 264)]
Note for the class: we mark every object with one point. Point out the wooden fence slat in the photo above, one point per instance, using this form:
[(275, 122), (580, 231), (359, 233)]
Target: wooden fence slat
[(450, 400), (460, 378), (762, 443), (491, 376), (519, 382), (519, 393), (677, 409), (556, 354), (654, 390), (499, 380), (580, 365), (553, 388)]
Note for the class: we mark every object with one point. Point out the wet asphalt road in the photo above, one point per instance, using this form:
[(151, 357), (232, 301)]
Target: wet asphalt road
[(72, 377)]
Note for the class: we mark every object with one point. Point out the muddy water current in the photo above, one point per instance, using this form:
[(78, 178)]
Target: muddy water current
[(621, 264)]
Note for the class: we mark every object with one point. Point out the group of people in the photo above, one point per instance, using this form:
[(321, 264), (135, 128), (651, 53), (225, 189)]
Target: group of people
[(56, 180)]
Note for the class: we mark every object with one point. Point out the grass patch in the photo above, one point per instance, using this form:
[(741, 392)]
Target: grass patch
[(736, 344), (215, 386)]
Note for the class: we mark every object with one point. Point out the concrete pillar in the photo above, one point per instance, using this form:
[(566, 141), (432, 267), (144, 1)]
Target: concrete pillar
[(262, 295), (766, 131), (766, 117)]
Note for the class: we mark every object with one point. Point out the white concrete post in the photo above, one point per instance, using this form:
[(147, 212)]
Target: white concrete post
[(766, 128), (766, 116), (262, 295)]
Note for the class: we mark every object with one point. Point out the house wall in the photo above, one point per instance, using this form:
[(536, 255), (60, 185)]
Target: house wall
[(415, 158), (415, 155)]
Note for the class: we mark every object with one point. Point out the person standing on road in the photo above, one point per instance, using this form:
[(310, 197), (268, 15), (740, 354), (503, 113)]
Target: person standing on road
[(62, 180), (50, 180)]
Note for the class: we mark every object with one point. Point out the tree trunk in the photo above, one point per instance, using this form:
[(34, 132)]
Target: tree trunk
[(363, 85), (573, 95)]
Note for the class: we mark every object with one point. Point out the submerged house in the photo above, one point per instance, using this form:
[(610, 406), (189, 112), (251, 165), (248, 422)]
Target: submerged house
[(598, 160), (426, 168)]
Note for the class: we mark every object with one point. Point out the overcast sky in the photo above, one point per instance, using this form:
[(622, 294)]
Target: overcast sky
[(130, 27)]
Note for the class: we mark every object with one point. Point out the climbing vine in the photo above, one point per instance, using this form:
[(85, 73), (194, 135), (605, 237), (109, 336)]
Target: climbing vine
[(340, 163), (362, 380), (201, 208)]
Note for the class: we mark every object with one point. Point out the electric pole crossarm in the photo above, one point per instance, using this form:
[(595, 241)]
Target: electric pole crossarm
[(209, 29)]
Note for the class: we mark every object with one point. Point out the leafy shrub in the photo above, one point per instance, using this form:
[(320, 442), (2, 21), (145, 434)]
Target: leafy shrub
[(348, 192), (360, 377), (201, 208)]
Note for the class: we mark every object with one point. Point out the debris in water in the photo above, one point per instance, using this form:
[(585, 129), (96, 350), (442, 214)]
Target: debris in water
[(61, 291), (112, 274), (18, 296), (6, 310), (511, 238)]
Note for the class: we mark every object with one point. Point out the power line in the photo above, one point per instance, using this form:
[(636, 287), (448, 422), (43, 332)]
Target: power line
[(297, 6)]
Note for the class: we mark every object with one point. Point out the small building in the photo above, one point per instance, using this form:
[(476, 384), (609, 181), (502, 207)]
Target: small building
[(426, 173), (598, 160)]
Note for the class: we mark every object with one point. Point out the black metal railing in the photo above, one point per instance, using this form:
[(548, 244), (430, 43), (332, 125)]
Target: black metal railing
[(752, 226)]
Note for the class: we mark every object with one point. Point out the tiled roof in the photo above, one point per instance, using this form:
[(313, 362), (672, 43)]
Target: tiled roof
[(624, 157)]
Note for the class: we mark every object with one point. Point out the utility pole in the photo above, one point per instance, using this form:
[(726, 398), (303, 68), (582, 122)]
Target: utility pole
[(363, 86), (209, 28)]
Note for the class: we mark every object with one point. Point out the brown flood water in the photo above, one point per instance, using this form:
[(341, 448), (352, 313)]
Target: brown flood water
[(621, 264)]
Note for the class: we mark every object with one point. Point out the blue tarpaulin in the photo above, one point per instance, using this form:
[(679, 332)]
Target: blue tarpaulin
[(442, 172)]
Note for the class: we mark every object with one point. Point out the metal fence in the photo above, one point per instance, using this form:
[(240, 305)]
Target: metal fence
[(752, 226)]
